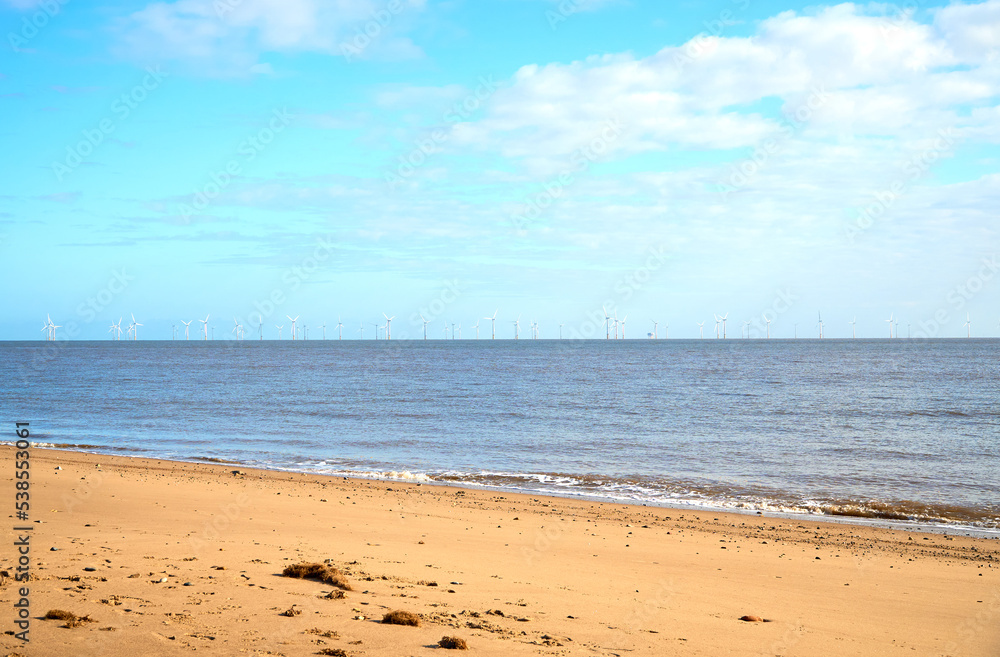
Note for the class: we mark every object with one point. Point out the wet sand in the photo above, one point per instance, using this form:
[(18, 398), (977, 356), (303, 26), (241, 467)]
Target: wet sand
[(168, 558)]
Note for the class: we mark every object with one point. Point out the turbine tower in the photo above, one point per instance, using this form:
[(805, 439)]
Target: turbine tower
[(475, 327), (820, 323), (968, 325), (854, 327), (701, 330), (323, 326), (768, 320), (204, 325), (187, 329), (279, 329), (293, 324), (340, 329), (494, 321), (655, 324), (723, 320), (623, 326), (135, 329), (517, 327), (426, 322), (388, 326), (607, 324), (891, 315)]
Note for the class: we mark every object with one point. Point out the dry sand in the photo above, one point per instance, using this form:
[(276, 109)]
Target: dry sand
[(168, 558)]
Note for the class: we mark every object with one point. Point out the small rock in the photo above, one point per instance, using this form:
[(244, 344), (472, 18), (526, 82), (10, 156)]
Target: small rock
[(53, 549), (90, 569), (751, 619), (188, 584)]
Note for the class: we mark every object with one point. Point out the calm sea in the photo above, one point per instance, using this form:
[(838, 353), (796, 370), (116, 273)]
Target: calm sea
[(890, 429)]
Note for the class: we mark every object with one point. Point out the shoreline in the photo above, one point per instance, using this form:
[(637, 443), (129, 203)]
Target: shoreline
[(170, 556), (945, 527)]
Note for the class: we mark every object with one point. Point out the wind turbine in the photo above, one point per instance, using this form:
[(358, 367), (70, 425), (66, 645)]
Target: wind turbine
[(718, 323), (534, 330), (260, 326), (47, 330), (854, 328), (118, 328), (340, 329), (110, 330), (426, 322), (607, 323), (666, 331), (701, 330), (820, 323), (655, 324), (890, 324), (768, 320), (362, 330), (968, 325), (236, 328), (293, 324), (560, 331), (494, 320), (135, 329), (475, 327), (747, 324), (623, 326), (324, 330), (616, 325), (173, 331), (453, 330), (517, 327), (388, 326), (204, 325), (187, 329), (796, 329), (279, 329)]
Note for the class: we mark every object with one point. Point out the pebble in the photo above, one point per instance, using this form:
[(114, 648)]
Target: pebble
[(188, 584), (752, 619), (90, 569)]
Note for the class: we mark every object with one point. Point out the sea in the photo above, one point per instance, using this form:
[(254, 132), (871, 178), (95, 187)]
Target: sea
[(897, 431)]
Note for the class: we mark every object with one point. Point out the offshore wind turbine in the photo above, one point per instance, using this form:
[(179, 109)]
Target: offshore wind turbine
[(494, 320), (666, 331), (517, 327), (112, 330), (135, 329), (718, 323), (260, 326), (173, 331), (388, 326), (118, 328), (279, 329), (187, 329), (820, 324), (768, 320), (426, 322), (854, 327), (891, 315), (236, 328), (560, 331), (655, 324), (607, 323), (324, 330), (534, 330), (616, 325), (747, 324), (724, 318), (293, 324), (204, 325), (701, 330), (362, 330), (968, 325), (623, 326), (475, 327), (340, 329)]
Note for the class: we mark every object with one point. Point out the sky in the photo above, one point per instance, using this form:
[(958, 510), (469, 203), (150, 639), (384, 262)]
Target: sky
[(549, 161)]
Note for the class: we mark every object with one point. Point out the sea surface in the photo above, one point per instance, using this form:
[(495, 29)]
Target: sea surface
[(900, 430)]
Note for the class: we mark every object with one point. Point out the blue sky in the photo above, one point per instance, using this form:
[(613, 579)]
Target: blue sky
[(348, 158)]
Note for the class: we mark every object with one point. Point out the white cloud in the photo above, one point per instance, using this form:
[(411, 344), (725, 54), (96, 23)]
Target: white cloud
[(227, 36)]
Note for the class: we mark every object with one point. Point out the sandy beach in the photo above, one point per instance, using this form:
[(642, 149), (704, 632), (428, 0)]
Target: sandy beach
[(166, 558)]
